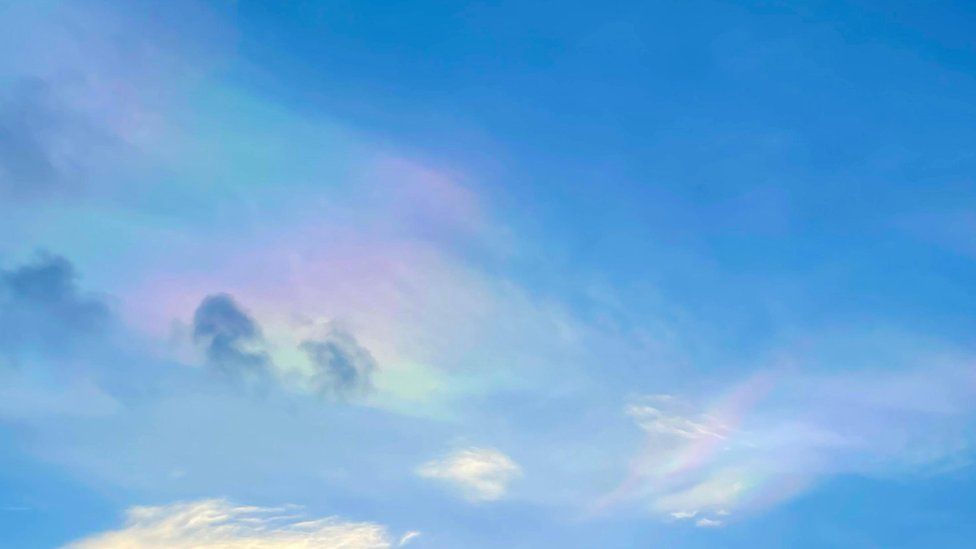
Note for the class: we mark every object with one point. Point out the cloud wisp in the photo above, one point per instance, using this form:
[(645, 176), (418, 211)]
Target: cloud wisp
[(217, 523), (771, 437), (479, 474)]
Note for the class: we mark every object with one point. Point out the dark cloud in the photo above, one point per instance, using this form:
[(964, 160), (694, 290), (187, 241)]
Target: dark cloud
[(42, 308), (342, 367), (230, 337), (234, 346)]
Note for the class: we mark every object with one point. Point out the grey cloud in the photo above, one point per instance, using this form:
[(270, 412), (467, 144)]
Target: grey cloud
[(42, 308), (234, 346), (342, 366), (230, 337)]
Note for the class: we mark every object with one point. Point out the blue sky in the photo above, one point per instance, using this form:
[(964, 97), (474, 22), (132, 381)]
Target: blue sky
[(487, 274)]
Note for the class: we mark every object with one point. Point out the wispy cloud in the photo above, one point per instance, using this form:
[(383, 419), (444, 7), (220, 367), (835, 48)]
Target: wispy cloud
[(216, 523), (408, 537), (86, 101), (654, 420), (481, 474), (772, 436)]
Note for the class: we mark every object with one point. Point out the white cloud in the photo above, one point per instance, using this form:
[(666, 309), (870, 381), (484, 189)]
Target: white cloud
[(481, 474), (708, 523), (681, 515), (408, 537), (218, 524), (654, 420)]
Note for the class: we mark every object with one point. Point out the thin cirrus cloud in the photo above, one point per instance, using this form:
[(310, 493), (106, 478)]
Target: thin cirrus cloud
[(82, 104), (774, 435), (217, 523), (479, 474)]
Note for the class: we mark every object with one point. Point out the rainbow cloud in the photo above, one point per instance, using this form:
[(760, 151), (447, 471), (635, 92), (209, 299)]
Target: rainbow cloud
[(768, 438), (305, 222)]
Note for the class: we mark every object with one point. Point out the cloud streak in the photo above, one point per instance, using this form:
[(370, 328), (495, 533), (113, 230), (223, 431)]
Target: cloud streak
[(219, 524), (230, 338), (772, 436)]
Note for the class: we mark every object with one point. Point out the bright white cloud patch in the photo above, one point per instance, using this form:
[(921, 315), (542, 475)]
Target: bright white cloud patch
[(481, 474), (215, 523)]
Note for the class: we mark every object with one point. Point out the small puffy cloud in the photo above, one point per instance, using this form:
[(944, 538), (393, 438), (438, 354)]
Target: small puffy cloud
[(341, 366), (218, 524), (230, 338), (707, 523), (481, 474), (682, 515), (42, 307)]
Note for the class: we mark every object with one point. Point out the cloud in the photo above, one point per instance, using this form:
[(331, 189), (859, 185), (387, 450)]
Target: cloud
[(342, 367), (408, 537), (654, 420), (320, 360), (481, 474), (42, 308), (57, 344), (772, 436), (230, 338), (216, 523), (708, 495), (681, 515)]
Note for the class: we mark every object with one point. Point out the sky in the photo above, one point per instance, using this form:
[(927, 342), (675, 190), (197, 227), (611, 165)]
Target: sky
[(369, 275)]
